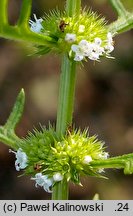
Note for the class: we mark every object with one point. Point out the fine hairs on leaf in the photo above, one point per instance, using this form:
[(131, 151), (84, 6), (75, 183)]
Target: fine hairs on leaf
[(16, 113), (7, 132)]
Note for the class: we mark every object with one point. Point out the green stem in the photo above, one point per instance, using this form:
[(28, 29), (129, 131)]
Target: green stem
[(121, 25), (64, 114), (3, 12), (25, 13), (21, 32), (119, 162), (10, 139), (66, 100), (66, 95), (60, 190), (118, 6), (18, 34), (73, 7), (125, 18)]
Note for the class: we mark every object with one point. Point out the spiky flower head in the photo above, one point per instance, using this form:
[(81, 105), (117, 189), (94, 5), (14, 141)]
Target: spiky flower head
[(49, 159), (83, 37)]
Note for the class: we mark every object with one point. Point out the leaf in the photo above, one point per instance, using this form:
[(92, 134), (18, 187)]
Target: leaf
[(16, 113), (41, 50), (6, 139), (7, 134)]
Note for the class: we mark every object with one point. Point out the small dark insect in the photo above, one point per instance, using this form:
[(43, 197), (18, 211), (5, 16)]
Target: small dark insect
[(37, 167), (69, 130), (62, 25)]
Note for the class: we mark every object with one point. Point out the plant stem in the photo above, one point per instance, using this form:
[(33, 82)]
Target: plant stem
[(125, 18), (3, 12), (60, 191), (66, 95), (64, 113), (118, 6), (19, 34), (25, 13), (122, 24), (73, 7), (66, 100), (119, 162)]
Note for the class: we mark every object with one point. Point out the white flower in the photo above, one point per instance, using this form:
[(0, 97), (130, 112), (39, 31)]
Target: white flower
[(94, 56), (79, 54), (101, 170), (21, 159), (70, 37), (78, 57), (43, 181), (109, 47), (98, 41), (57, 177), (36, 25), (83, 49), (81, 28), (97, 46), (109, 37), (104, 155), (92, 50), (87, 159), (86, 47), (97, 50)]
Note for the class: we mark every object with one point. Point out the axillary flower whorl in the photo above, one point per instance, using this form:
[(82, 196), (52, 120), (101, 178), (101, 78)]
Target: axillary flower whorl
[(49, 159), (84, 37)]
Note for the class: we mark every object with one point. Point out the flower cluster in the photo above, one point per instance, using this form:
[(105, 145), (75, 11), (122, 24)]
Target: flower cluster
[(93, 50), (50, 159), (86, 37), (46, 182), (41, 180)]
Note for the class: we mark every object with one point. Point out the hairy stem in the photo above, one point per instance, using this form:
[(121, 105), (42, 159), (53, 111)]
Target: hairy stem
[(18, 34), (119, 162), (125, 18), (66, 100), (119, 8), (122, 25)]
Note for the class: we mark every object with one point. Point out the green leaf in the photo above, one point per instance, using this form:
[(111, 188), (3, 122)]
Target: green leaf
[(8, 139), (41, 50), (16, 113), (7, 134)]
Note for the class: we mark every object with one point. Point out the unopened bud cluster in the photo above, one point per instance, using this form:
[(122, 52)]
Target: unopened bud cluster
[(49, 159), (83, 37)]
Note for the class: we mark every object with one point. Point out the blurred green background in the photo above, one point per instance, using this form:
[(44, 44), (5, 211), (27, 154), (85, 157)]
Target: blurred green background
[(104, 103)]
